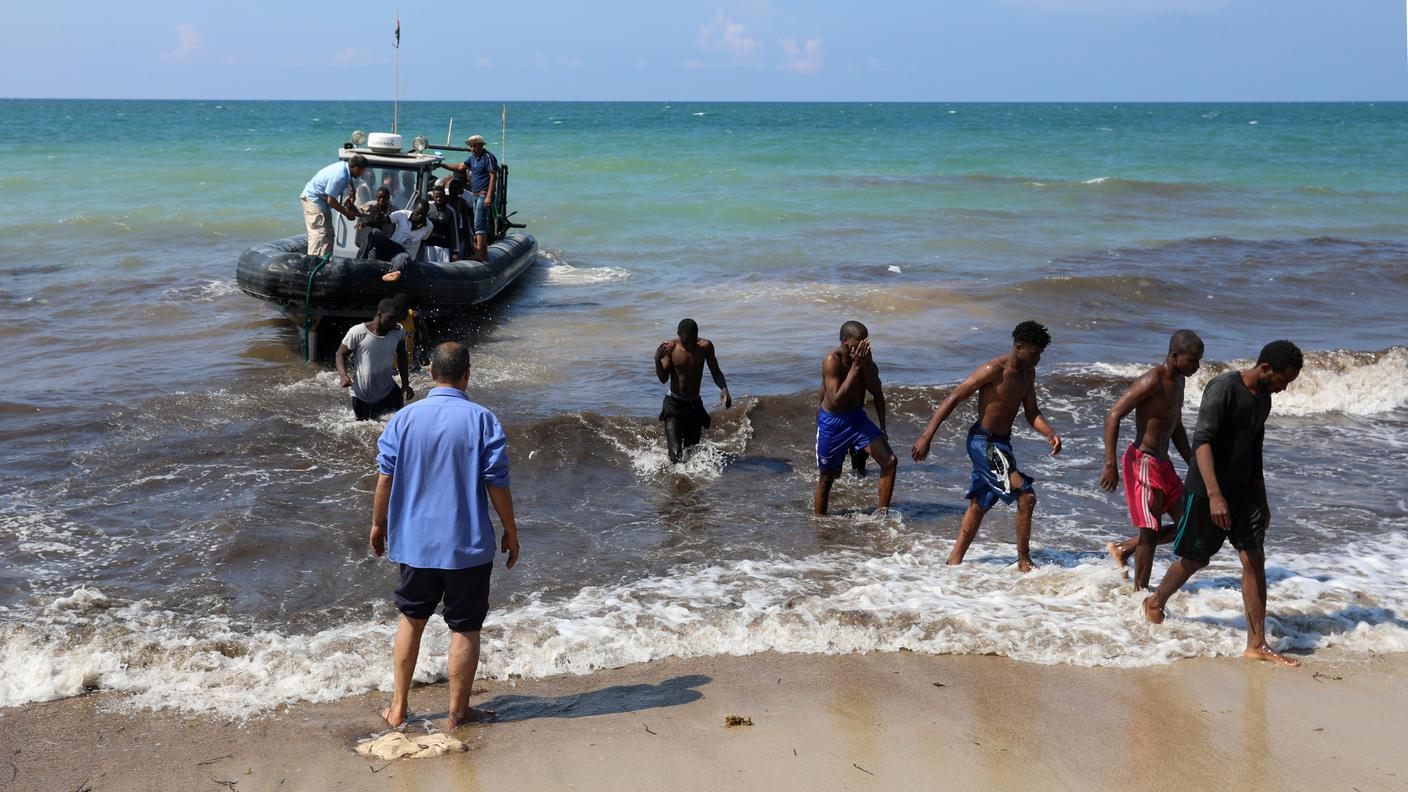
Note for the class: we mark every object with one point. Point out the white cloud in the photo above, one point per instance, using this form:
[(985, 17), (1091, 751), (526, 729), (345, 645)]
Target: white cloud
[(724, 35), (188, 46), (804, 58)]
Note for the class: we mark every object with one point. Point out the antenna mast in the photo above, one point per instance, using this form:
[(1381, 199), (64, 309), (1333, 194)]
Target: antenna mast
[(396, 88)]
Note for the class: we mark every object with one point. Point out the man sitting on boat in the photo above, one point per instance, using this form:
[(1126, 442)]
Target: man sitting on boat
[(444, 240), (483, 169), (455, 189), (401, 247), (376, 214)]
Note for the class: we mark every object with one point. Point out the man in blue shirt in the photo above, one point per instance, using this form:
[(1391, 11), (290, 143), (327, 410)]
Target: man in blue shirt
[(442, 460), (483, 170), (325, 192)]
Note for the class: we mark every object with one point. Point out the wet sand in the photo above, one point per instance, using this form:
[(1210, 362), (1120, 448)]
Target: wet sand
[(878, 721)]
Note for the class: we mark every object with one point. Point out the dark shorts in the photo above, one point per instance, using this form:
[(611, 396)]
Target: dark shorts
[(993, 466), (365, 411), (838, 436), (1199, 537), (465, 593)]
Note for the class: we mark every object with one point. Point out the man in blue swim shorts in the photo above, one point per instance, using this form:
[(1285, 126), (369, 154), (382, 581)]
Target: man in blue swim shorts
[(842, 427), (1004, 385)]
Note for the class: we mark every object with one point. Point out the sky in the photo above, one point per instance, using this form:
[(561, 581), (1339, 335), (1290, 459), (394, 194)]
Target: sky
[(728, 50)]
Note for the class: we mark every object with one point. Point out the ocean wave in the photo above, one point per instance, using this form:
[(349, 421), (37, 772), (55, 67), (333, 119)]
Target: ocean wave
[(559, 273), (1074, 609)]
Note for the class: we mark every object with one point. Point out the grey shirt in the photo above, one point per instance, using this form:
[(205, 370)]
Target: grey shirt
[(374, 361), (1233, 421)]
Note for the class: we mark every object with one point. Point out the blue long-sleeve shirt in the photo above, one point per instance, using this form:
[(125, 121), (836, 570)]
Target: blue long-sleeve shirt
[(441, 452)]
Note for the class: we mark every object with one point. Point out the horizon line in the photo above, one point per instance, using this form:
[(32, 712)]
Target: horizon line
[(711, 101)]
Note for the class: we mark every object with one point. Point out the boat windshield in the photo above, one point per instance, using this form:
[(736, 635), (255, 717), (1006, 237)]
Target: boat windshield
[(403, 184)]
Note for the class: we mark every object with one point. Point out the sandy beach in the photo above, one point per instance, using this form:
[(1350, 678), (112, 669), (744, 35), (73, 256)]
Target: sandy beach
[(874, 721)]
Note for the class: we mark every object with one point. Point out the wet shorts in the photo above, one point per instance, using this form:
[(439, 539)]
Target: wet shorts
[(840, 435), (1199, 537), (1152, 487), (993, 463), (464, 591)]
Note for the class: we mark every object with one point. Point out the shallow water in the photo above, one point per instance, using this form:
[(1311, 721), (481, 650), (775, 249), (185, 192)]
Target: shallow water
[(184, 511)]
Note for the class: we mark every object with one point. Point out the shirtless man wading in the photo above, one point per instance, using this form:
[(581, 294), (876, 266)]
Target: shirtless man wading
[(1152, 487), (1003, 385), (842, 427), (681, 360)]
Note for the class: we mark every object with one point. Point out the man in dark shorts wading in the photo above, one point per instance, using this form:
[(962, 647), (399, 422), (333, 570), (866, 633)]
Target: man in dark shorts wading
[(379, 350), (681, 361), (441, 462), (842, 427), (1152, 487), (1003, 384), (1226, 497)]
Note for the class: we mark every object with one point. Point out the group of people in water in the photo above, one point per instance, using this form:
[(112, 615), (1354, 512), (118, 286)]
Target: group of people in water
[(1222, 498), (437, 528), (455, 219)]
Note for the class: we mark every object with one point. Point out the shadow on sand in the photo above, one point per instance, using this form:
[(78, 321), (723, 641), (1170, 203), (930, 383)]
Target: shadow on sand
[(607, 701)]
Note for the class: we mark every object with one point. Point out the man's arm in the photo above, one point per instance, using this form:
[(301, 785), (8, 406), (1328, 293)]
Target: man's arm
[(831, 377), (877, 392), (1210, 414), (717, 374), (1180, 441), (1138, 391), (983, 375), (502, 498), (663, 361), (380, 502), (341, 357), (347, 210), (1038, 421), (454, 166)]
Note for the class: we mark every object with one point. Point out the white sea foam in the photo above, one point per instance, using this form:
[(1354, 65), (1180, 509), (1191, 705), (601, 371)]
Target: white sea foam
[(1353, 383), (644, 448), (568, 275), (1072, 610)]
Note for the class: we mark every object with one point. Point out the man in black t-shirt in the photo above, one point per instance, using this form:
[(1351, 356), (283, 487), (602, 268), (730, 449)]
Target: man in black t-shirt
[(1226, 489)]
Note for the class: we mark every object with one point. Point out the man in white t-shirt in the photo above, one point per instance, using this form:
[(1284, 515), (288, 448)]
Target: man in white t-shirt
[(380, 353), (403, 244)]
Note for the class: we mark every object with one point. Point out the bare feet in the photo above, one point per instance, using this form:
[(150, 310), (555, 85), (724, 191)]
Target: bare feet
[(472, 716), (392, 276), (395, 717), (1153, 613), (1120, 557), (1025, 565), (1269, 655)]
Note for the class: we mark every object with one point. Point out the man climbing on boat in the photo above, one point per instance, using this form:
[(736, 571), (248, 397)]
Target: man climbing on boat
[(681, 361), (324, 193)]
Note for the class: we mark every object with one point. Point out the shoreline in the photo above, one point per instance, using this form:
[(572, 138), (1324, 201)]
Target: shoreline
[(864, 721)]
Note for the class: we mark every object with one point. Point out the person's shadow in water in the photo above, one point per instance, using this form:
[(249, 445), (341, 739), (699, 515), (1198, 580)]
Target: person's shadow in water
[(619, 698)]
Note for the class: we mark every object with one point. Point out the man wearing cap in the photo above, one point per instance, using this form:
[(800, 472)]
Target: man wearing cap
[(380, 349), (483, 170), (324, 193)]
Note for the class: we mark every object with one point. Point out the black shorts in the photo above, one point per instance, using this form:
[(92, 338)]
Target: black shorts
[(366, 411), (464, 591), (1199, 537)]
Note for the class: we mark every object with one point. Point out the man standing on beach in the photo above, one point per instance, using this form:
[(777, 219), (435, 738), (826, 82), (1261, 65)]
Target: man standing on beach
[(1227, 489), (842, 427), (681, 360), (1003, 385), (1151, 485), (441, 461), (482, 168), (322, 194), (380, 350)]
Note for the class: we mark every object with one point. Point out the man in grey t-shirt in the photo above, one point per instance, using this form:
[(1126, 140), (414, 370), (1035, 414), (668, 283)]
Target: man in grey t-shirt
[(380, 349)]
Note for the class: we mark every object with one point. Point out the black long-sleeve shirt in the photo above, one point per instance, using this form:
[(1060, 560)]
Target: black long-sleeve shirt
[(1233, 422)]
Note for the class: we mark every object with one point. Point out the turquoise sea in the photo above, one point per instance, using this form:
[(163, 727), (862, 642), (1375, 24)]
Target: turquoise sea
[(183, 511)]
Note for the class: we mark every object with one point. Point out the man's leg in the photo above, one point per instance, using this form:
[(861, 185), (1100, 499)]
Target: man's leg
[(1148, 539), (693, 431), (674, 439), (318, 222), (1026, 504), (464, 663), (879, 450), (1254, 600), (972, 520), (407, 650), (824, 481), (1178, 573)]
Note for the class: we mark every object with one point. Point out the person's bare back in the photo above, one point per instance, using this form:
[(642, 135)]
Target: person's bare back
[(686, 365)]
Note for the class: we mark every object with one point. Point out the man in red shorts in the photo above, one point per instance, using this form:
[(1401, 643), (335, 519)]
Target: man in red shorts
[(1152, 487)]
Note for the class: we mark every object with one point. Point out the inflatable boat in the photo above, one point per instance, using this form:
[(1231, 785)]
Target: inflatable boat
[(325, 296)]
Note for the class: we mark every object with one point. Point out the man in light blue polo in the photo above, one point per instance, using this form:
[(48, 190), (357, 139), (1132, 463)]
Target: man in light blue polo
[(442, 460), (325, 192)]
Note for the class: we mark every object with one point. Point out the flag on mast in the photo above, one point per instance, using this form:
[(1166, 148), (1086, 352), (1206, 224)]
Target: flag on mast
[(398, 32)]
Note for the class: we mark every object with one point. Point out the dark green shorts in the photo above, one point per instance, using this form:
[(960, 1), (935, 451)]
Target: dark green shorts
[(1199, 538)]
